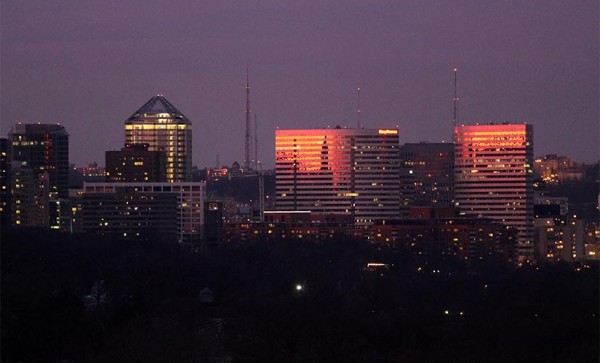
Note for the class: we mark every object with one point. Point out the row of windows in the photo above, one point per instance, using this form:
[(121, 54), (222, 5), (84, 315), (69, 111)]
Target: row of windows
[(150, 125)]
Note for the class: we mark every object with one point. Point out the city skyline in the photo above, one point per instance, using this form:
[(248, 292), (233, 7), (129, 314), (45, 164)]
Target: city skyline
[(88, 65)]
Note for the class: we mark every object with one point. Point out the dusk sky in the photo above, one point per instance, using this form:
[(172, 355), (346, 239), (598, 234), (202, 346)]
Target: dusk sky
[(90, 64)]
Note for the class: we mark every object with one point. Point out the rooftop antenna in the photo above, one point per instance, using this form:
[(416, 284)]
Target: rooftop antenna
[(247, 136), (255, 143), (358, 110), (455, 118)]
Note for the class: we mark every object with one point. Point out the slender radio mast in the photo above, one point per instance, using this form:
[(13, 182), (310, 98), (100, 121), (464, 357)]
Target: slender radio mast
[(455, 119), (358, 110), (247, 136), (255, 143)]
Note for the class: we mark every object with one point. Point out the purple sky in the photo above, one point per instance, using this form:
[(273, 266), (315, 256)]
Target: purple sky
[(90, 64)]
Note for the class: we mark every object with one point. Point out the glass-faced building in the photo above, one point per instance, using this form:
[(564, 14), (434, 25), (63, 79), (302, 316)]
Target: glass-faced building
[(353, 171), (494, 176), (163, 128)]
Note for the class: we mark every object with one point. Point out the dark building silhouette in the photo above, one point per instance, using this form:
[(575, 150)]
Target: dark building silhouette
[(135, 163), (213, 223), (280, 225), (44, 148), (4, 183), (129, 215), (171, 212), (39, 183), (427, 174), (446, 231)]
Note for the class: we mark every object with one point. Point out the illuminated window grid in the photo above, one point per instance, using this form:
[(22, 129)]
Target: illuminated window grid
[(168, 135), (338, 171), (494, 176)]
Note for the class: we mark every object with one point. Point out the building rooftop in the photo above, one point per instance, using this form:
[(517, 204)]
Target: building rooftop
[(158, 107)]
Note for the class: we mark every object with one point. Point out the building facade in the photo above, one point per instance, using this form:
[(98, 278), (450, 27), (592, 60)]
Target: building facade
[(494, 177), (163, 128), (428, 174), (145, 211), (442, 230), (282, 225), (44, 148), (338, 170), (39, 178), (135, 163), (560, 242)]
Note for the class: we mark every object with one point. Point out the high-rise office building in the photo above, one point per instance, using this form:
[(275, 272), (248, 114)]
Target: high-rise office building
[(164, 128), (430, 173), (39, 183), (44, 148), (352, 171), (494, 176), (135, 163)]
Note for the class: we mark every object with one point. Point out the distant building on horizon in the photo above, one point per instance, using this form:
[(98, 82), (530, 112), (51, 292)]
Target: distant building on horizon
[(553, 169), (494, 177), (353, 171), (92, 173), (163, 128)]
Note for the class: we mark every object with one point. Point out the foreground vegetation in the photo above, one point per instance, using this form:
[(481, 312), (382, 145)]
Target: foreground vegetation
[(84, 299)]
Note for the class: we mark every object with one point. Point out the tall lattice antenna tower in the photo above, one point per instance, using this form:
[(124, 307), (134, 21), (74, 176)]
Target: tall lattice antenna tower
[(455, 118), (358, 110), (247, 156), (255, 142)]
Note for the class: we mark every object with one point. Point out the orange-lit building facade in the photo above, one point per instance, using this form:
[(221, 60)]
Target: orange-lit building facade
[(164, 128), (494, 177), (353, 171)]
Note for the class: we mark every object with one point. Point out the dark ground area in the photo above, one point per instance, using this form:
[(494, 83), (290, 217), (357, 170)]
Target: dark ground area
[(83, 299)]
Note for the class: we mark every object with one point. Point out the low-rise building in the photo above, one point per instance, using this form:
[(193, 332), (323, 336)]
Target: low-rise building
[(449, 233), (280, 225), (145, 211)]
